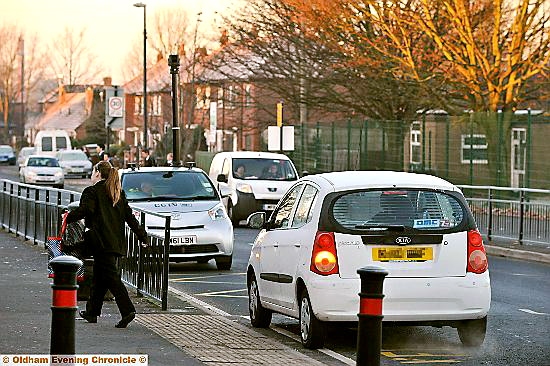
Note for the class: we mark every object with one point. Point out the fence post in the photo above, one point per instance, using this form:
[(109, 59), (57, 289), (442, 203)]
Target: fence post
[(140, 270), (303, 146), (332, 145), (490, 223), (369, 330), (447, 132), (18, 210), (521, 215), (348, 166), (365, 165), (166, 257), (528, 147), (423, 134)]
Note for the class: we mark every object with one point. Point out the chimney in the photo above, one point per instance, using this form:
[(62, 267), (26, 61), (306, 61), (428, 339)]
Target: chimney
[(89, 100), (107, 81)]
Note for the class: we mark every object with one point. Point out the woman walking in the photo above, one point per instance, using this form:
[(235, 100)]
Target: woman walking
[(104, 208)]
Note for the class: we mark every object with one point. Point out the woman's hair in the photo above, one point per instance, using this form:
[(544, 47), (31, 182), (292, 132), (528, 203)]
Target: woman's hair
[(112, 181)]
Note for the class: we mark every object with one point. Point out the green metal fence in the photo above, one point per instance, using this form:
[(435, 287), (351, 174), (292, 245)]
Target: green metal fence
[(475, 148)]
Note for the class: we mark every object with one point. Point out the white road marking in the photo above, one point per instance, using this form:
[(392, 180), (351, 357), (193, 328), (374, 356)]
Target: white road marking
[(182, 279), (529, 311), (223, 293), (328, 352), (188, 280)]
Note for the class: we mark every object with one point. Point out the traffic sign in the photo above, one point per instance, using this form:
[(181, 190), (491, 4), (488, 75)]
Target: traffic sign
[(115, 107)]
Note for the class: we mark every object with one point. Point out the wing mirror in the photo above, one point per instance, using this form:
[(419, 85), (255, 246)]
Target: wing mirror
[(222, 178), (256, 220)]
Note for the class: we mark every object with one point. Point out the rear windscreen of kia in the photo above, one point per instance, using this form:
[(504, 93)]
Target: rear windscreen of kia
[(411, 210)]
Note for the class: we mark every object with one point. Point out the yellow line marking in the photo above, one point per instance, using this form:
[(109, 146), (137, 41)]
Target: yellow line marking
[(430, 361)]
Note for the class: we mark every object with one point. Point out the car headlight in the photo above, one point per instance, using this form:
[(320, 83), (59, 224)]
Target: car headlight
[(243, 187), (217, 213), (31, 173), (58, 174)]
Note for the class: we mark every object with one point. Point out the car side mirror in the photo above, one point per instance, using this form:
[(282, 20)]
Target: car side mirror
[(222, 178), (256, 220)]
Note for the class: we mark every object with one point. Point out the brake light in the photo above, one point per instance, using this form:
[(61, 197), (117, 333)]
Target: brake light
[(324, 260), (477, 258)]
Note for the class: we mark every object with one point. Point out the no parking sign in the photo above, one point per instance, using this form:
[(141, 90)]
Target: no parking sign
[(115, 107)]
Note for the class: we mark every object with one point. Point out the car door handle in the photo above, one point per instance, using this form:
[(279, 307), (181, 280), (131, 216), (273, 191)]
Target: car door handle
[(275, 245), (297, 245)]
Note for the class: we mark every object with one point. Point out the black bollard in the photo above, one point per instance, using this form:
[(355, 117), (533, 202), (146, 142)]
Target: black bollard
[(64, 304), (369, 330)]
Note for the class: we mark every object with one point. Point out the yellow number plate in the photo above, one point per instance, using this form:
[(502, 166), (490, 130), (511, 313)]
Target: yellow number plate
[(402, 254)]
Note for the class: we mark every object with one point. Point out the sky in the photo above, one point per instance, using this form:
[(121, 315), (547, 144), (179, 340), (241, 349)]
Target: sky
[(112, 26)]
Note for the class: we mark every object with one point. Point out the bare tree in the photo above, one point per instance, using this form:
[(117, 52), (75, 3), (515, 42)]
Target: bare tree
[(72, 59), (21, 68), (489, 50)]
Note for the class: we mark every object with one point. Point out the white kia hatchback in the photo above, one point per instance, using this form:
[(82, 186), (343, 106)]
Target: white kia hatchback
[(417, 227), (200, 229)]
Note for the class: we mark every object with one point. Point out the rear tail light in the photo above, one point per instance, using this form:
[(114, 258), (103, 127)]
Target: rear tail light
[(324, 260), (477, 258)]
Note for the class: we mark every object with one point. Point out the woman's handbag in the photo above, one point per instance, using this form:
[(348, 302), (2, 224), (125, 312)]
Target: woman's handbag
[(56, 247)]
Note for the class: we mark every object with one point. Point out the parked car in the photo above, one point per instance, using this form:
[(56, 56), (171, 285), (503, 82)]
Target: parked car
[(74, 163), (417, 227), (7, 156), (200, 228), (265, 179), (42, 170), (24, 154)]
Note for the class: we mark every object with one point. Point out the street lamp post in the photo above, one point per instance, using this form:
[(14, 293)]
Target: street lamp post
[(145, 130), (193, 94)]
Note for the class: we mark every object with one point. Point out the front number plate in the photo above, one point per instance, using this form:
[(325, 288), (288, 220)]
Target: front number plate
[(182, 240), (411, 254)]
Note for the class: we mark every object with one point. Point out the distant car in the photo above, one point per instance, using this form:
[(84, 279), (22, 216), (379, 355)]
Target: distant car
[(42, 170), (7, 156), (74, 163), (200, 228), (417, 227), (24, 154), (256, 180)]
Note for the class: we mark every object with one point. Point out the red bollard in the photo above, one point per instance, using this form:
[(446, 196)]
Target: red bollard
[(369, 329), (64, 304)]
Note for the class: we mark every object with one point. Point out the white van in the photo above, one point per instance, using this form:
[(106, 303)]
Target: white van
[(254, 181), (49, 142)]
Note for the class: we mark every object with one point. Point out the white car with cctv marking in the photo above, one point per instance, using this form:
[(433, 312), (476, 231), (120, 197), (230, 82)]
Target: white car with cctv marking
[(200, 229), (417, 227)]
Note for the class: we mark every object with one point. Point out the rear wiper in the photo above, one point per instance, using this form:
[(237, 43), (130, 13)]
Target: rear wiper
[(381, 227)]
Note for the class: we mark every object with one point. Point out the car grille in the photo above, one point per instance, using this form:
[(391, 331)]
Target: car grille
[(193, 249), (150, 227)]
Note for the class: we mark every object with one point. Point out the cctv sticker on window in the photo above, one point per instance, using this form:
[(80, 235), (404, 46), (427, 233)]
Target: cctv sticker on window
[(183, 240), (426, 223)]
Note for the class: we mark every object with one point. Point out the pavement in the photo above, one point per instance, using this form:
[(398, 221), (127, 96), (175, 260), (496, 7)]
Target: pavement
[(188, 333)]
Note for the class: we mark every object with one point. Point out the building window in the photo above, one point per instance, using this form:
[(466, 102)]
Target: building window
[(138, 105), (157, 105), (220, 97), (416, 144), (474, 148), (247, 95), (231, 96), (203, 97)]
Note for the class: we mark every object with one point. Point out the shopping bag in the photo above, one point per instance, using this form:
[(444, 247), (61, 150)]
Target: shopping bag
[(55, 248)]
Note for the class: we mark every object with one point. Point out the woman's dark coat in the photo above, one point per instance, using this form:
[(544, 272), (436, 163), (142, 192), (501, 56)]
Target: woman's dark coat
[(105, 221)]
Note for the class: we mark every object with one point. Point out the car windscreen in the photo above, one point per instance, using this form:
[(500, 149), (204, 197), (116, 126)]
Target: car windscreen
[(5, 150), (423, 210), (72, 156), (264, 169), (43, 162), (168, 185)]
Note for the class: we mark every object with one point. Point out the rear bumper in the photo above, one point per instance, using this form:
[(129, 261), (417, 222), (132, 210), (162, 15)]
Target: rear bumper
[(406, 299)]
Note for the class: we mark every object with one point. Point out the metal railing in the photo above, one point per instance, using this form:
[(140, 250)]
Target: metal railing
[(35, 214), (519, 214)]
